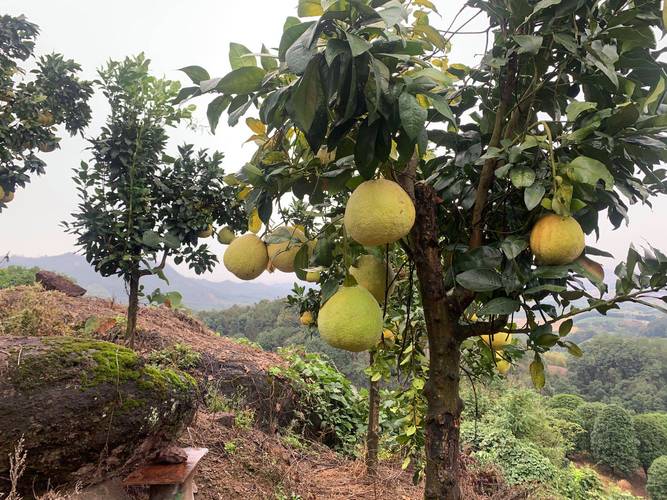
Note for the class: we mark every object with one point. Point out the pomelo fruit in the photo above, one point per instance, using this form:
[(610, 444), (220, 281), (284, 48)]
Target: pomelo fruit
[(313, 276), (246, 257), (497, 340), (226, 235), (306, 318), (282, 253), (45, 118), (206, 233), (8, 196), (351, 319), (502, 365), (371, 273), (379, 212), (557, 240)]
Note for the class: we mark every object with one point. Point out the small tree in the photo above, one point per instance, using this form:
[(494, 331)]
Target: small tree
[(140, 206), (656, 485), (567, 401), (652, 435), (33, 103), (613, 440)]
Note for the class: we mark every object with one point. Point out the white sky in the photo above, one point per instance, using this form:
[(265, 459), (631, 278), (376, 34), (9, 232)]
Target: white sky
[(174, 34)]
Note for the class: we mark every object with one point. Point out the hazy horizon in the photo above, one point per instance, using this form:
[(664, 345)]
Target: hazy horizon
[(172, 37)]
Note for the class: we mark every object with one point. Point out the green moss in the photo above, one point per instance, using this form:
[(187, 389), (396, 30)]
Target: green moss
[(163, 379), (130, 404), (106, 363)]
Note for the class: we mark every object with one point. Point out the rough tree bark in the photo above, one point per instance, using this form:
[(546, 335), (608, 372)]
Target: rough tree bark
[(373, 433), (84, 408), (132, 307)]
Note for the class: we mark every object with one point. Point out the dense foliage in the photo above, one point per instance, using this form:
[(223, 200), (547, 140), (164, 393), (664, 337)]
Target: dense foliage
[(17, 275), (618, 369), (613, 441), (140, 206), (651, 431), (33, 103), (657, 479)]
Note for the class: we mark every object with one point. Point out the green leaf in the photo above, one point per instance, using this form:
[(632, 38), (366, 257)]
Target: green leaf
[(528, 44), (532, 196), (432, 35), (301, 262), (543, 4), (441, 106), (512, 246), (537, 372), (575, 108), (241, 81), (307, 106), (269, 63), (215, 109), (522, 176), (499, 305), (240, 56), (573, 349), (565, 327), (589, 171), (151, 239), (480, 280), (413, 116), (291, 35), (310, 8), (196, 73), (358, 45)]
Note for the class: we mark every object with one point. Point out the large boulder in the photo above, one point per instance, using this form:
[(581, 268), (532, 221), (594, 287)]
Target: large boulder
[(84, 408), (54, 281)]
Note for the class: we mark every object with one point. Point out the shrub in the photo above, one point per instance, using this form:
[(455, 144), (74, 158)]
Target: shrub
[(17, 275), (180, 356), (652, 436), (568, 401), (576, 483), (331, 403), (657, 479), (587, 413), (613, 440)]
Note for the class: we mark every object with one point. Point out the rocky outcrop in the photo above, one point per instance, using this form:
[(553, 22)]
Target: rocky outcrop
[(54, 281)]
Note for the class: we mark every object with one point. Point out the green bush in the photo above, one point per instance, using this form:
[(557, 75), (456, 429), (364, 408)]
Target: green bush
[(576, 483), (519, 460), (17, 275), (657, 479), (567, 401), (652, 435), (613, 440), (180, 356), (330, 402), (587, 413)]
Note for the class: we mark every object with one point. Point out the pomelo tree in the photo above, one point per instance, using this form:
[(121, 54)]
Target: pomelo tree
[(33, 103), (485, 181), (138, 205)]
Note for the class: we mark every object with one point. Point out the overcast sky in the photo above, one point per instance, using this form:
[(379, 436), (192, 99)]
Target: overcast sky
[(174, 34)]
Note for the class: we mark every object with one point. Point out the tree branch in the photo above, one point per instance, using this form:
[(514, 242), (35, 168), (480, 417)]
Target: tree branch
[(480, 328)]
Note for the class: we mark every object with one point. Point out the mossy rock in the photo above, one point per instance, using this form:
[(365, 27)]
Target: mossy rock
[(79, 403)]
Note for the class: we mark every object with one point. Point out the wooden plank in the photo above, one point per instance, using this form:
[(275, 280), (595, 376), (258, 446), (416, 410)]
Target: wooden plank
[(167, 473)]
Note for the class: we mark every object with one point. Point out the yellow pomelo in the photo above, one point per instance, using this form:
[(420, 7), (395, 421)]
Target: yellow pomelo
[(45, 118), (351, 319), (2, 194), (8, 197), (556, 240), (388, 338), (306, 318), (226, 235), (246, 257), (371, 273), (497, 341), (502, 365), (206, 233), (313, 276), (282, 254), (379, 212)]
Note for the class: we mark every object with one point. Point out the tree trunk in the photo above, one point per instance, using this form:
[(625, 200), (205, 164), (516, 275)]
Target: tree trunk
[(442, 388), (373, 434), (84, 408), (133, 307)]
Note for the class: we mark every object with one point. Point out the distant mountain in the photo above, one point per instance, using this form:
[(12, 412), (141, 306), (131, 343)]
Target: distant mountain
[(197, 293)]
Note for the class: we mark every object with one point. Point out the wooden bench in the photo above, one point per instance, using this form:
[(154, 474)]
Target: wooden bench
[(169, 481)]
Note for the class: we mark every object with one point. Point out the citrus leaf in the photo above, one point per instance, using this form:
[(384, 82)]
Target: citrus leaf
[(537, 372), (575, 108), (589, 171), (196, 73), (241, 81), (480, 280), (522, 176), (310, 8), (565, 327), (532, 196), (528, 44), (240, 56), (358, 45), (499, 305), (413, 116), (215, 109)]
